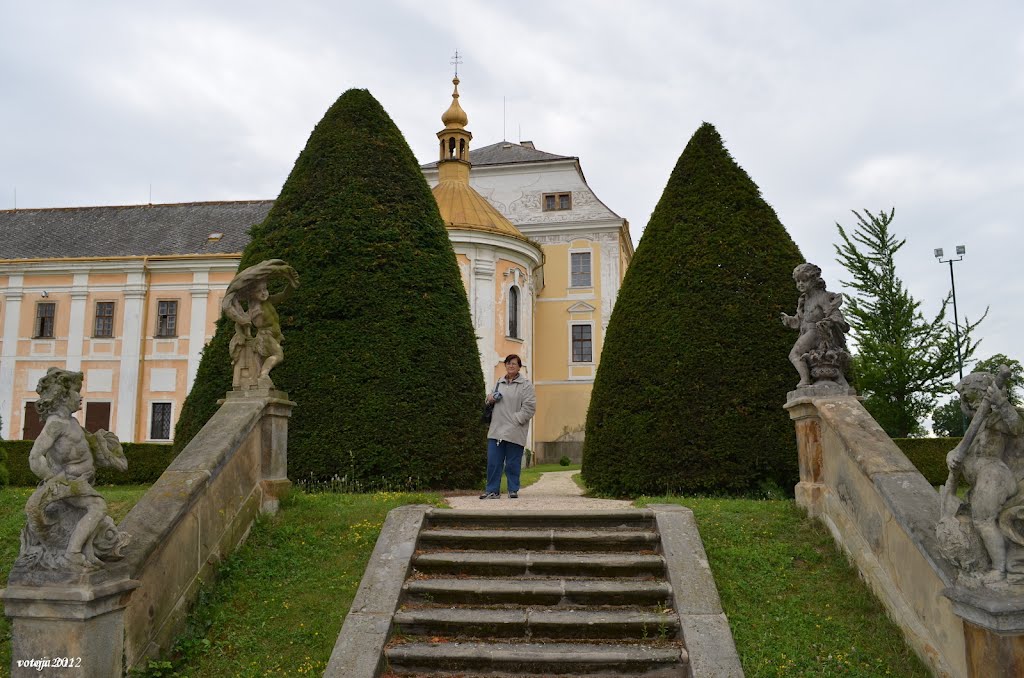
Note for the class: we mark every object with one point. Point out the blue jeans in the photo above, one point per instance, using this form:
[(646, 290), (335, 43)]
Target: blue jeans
[(507, 455)]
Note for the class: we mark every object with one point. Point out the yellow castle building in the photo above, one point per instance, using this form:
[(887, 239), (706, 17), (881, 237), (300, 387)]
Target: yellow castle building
[(130, 295)]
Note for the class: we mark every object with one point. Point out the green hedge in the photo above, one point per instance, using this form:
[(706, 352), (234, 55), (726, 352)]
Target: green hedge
[(379, 348), (928, 455), (694, 371), (146, 461)]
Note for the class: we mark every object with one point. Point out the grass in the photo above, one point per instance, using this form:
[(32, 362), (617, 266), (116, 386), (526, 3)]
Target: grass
[(795, 605), (120, 499), (279, 603)]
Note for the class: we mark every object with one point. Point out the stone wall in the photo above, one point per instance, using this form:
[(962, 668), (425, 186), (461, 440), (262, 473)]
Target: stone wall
[(883, 513), (198, 512), (553, 451)]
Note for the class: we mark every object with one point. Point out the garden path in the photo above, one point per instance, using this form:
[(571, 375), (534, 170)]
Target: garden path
[(554, 491)]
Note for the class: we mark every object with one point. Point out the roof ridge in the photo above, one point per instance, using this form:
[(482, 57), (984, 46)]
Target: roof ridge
[(193, 203)]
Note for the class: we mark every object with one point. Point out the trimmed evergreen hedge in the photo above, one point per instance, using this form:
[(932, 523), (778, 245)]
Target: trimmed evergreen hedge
[(928, 455), (694, 370), (379, 348), (146, 462)]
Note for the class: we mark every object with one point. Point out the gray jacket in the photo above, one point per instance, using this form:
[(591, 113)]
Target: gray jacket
[(512, 414)]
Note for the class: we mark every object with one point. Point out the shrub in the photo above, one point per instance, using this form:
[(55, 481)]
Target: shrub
[(380, 353), (564, 461), (694, 370), (146, 462), (928, 455)]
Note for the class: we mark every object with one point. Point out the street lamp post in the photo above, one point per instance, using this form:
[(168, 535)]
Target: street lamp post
[(960, 250)]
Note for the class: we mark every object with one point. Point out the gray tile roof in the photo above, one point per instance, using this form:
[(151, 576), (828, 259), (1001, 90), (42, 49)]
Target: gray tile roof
[(136, 230), (507, 153)]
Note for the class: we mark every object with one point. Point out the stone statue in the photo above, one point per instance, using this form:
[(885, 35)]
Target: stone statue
[(254, 355), (67, 526), (819, 354), (984, 535)]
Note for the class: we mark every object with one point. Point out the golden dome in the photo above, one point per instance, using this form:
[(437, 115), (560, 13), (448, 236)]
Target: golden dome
[(455, 117), (462, 207)]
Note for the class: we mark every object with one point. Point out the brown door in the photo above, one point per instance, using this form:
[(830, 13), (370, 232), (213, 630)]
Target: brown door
[(33, 425), (97, 416)]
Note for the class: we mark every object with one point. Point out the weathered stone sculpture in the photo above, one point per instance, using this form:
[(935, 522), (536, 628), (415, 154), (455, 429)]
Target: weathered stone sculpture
[(984, 535), (249, 304), (819, 354), (67, 525)]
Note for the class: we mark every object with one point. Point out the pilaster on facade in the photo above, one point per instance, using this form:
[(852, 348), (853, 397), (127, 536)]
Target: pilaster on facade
[(13, 294), (76, 327), (197, 324), (483, 310), (128, 382)]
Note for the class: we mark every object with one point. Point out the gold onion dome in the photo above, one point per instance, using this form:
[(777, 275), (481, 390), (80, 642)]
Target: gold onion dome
[(463, 208), (455, 117)]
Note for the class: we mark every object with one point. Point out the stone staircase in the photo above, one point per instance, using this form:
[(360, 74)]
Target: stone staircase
[(522, 593)]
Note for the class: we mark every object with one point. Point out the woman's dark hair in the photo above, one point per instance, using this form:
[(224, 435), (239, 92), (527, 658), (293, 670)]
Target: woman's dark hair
[(513, 356)]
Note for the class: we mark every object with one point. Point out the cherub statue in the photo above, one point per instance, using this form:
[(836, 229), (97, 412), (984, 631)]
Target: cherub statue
[(255, 355), (977, 534), (67, 525), (820, 351)]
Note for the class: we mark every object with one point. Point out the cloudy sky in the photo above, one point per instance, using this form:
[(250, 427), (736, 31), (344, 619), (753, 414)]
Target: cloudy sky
[(829, 106)]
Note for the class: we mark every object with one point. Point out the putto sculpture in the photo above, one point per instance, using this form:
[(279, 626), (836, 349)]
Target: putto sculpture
[(983, 535), (256, 345), (819, 354), (67, 526)]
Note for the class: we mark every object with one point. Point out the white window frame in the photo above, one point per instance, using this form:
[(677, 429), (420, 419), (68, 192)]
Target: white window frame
[(593, 342), (582, 250), (149, 422)]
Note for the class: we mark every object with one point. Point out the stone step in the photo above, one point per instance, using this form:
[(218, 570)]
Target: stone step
[(528, 623), (540, 564), (541, 540), (539, 591), (626, 519), (537, 659)]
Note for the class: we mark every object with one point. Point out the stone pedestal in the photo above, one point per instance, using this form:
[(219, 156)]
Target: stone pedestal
[(810, 490), (74, 629), (274, 455), (993, 622)]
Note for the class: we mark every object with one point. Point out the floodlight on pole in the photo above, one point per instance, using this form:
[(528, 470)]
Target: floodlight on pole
[(960, 250)]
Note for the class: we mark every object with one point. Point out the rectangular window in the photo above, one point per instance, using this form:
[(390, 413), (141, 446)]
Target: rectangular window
[(582, 344), (104, 325), (580, 265), (167, 318), (45, 310), (557, 201), (33, 425), (97, 416), (160, 422)]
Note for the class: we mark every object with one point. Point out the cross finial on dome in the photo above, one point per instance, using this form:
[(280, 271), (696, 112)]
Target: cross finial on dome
[(456, 60)]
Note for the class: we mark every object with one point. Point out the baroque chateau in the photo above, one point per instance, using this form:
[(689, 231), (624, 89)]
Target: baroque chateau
[(130, 294)]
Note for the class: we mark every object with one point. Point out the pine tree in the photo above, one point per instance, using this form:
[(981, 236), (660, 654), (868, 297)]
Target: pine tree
[(380, 353), (903, 362), (694, 368)]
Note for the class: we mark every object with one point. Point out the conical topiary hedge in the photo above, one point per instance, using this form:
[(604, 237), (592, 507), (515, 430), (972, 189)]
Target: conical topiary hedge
[(694, 369), (380, 353)]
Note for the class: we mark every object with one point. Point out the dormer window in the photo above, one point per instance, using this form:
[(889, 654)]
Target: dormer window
[(557, 201)]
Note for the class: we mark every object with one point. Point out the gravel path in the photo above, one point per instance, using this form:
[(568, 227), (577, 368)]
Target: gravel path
[(555, 491)]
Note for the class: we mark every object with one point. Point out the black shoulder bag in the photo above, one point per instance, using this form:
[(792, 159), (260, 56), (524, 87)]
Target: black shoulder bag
[(489, 408)]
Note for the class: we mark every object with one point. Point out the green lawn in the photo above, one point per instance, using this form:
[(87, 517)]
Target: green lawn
[(795, 605)]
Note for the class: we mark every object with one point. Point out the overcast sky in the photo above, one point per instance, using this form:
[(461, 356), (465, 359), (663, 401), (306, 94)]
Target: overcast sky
[(828, 106)]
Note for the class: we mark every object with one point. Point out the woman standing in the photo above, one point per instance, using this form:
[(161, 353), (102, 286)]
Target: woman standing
[(514, 405)]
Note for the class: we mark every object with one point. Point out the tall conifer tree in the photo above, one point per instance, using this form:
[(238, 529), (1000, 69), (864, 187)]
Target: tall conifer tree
[(380, 353), (694, 373)]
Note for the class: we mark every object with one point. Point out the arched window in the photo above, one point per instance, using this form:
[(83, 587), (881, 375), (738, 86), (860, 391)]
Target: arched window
[(451, 147), (513, 312), (462, 149)]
